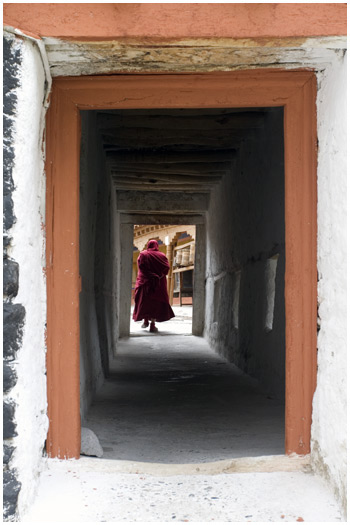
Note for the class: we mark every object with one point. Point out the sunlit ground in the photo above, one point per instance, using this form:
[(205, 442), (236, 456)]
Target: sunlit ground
[(180, 324)]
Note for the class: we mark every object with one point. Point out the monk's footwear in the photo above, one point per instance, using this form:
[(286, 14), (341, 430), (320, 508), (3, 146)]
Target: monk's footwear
[(153, 328), (144, 324)]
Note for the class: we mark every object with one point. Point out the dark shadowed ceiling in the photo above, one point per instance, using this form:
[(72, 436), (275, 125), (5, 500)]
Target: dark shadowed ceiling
[(174, 149)]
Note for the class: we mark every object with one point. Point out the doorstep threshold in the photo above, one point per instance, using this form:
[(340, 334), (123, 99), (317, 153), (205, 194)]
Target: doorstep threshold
[(278, 463)]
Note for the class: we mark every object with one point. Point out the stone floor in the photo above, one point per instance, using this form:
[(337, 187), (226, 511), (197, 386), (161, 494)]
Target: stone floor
[(186, 437), (171, 399)]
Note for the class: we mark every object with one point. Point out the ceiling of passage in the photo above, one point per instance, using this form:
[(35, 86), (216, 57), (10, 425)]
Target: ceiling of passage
[(187, 150)]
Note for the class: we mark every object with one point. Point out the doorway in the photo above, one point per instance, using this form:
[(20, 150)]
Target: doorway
[(295, 91), (233, 161), (178, 244)]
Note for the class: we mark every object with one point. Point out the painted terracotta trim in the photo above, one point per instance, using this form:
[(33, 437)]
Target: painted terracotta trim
[(103, 21), (301, 265), (296, 91), (63, 282)]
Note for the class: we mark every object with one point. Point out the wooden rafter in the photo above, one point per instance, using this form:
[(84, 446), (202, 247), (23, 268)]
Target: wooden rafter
[(227, 121)]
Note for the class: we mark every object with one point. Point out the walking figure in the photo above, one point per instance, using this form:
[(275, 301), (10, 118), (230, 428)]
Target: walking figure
[(151, 294)]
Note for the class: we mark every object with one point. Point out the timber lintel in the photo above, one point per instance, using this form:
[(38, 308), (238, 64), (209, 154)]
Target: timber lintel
[(161, 202), (155, 218)]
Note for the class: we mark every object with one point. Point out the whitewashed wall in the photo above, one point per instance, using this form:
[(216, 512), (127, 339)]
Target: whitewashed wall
[(98, 265), (91, 373), (329, 407), (28, 249), (245, 228)]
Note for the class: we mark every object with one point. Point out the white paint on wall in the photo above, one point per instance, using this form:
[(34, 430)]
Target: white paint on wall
[(91, 373), (125, 277), (245, 226), (28, 249), (329, 406), (270, 279), (236, 302)]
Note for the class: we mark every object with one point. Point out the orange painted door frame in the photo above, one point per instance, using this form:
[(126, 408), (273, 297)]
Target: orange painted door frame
[(296, 92)]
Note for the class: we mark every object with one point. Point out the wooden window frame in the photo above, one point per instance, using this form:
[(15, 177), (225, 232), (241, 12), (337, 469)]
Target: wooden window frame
[(296, 92)]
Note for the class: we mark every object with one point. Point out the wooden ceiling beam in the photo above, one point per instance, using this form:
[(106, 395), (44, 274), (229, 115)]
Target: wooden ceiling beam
[(176, 148), (167, 179), (183, 168), (164, 187), (171, 157), (166, 176), (156, 218), (171, 188), (227, 121), (144, 134), (190, 142), (167, 202)]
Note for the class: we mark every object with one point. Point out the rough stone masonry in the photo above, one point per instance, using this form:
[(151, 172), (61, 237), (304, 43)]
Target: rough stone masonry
[(13, 313)]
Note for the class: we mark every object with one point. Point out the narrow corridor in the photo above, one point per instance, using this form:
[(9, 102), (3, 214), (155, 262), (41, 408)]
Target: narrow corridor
[(170, 399)]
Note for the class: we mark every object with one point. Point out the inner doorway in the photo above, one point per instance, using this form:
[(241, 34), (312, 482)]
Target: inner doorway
[(178, 244), (229, 162)]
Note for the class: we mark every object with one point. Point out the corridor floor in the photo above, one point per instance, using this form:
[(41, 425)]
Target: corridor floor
[(170, 399)]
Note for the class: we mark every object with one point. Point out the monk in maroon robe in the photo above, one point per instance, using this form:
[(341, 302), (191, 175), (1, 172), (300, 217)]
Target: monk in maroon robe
[(151, 294)]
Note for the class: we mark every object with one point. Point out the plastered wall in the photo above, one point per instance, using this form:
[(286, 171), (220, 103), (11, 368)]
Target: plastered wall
[(91, 373), (329, 406), (107, 260), (245, 227), (28, 249), (98, 265)]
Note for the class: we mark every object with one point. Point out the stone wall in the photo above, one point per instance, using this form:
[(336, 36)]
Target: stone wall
[(25, 419), (13, 314), (245, 234)]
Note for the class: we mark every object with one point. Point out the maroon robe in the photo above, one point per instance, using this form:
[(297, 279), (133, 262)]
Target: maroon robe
[(151, 295)]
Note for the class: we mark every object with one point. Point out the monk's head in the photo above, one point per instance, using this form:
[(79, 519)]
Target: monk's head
[(152, 245)]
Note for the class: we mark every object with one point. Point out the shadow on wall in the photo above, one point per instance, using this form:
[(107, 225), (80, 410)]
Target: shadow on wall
[(246, 259)]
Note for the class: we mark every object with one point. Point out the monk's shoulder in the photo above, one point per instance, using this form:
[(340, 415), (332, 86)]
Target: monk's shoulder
[(164, 257)]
